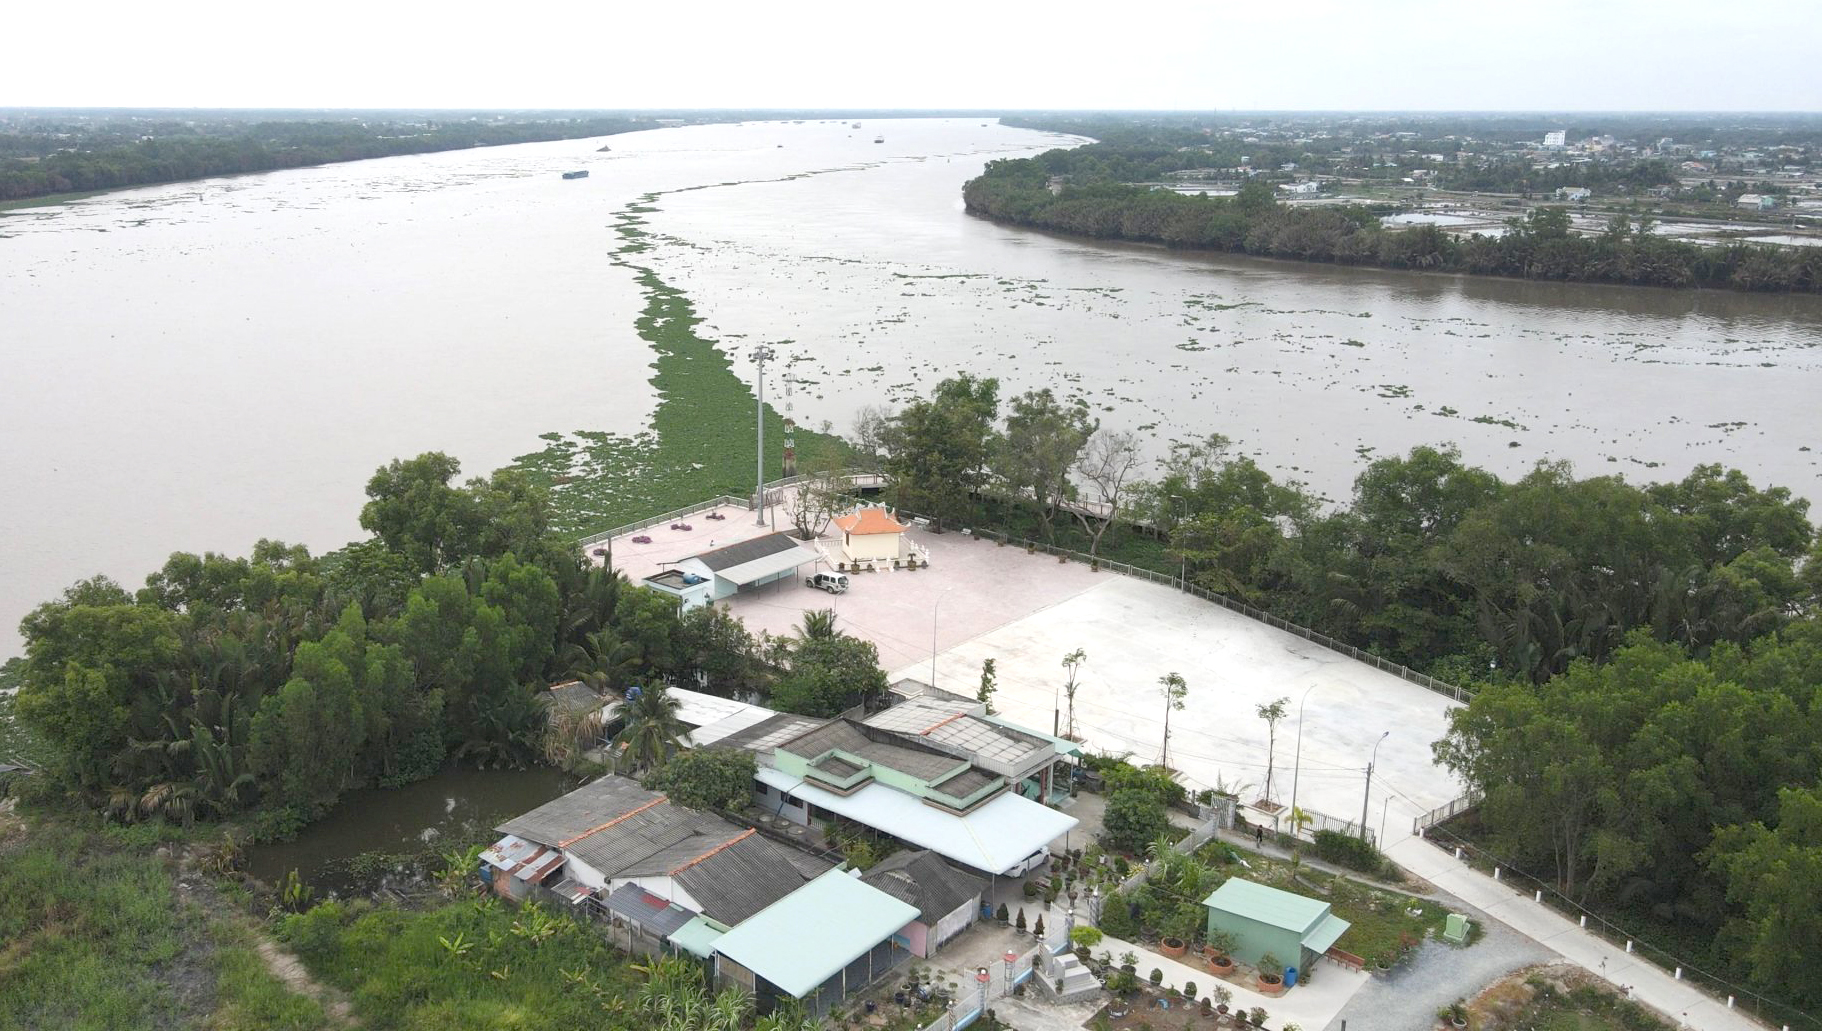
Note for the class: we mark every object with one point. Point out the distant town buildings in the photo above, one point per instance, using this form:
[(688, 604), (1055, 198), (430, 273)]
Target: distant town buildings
[(1573, 193), (1557, 139)]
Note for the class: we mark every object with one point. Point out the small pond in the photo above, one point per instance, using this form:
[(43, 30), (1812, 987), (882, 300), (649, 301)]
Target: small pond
[(453, 807)]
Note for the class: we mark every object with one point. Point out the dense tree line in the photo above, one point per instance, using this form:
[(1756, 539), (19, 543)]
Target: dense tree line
[(271, 684), (1519, 176), (1433, 563), (1675, 790), (233, 148), (1539, 246), (1646, 728)]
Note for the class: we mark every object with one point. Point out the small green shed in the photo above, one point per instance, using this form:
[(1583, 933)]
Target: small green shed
[(1264, 920)]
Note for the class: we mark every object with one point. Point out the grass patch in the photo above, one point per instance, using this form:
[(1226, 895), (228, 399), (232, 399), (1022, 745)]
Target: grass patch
[(696, 446), (92, 935), (474, 964), (250, 998)]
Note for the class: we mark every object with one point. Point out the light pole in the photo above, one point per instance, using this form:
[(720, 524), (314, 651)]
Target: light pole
[(934, 609), (761, 355), (1182, 559), (1387, 801), (1369, 784), (1297, 766)]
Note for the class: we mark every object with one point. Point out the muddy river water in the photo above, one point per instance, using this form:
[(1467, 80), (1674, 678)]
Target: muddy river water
[(200, 365)]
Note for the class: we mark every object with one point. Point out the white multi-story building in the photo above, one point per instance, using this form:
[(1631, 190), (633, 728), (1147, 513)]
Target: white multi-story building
[(1559, 138)]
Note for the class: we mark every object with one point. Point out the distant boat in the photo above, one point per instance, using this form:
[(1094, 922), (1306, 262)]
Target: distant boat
[(879, 139), (856, 125), (581, 174), (604, 149)]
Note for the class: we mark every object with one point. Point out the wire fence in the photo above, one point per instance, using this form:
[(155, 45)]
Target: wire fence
[(1444, 812), (1768, 1010)]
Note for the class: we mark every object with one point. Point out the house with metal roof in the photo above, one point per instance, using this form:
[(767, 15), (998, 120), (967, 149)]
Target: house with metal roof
[(1265, 921), (948, 898), (831, 937), (901, 785), (612, 834), (732, 568)]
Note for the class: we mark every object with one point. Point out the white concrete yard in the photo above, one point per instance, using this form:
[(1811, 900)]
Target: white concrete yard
[(979, 600), (1135, 632)]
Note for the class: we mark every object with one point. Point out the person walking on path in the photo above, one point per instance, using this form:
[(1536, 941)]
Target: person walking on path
[(1259, 836)]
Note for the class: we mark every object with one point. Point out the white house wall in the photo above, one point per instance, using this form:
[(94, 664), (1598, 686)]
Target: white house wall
[(955, 923)]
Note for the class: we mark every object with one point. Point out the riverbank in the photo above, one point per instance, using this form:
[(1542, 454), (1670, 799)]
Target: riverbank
[(1542, 246)]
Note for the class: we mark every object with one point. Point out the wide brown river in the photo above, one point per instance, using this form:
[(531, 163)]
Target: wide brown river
[(197, 366)]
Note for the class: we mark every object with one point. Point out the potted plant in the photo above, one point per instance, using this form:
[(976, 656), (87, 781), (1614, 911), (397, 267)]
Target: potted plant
[(1189, 989), (1455, 1013), (1258, 1016), (1172, 946), (1156, 977), (1271, 975), (1129, 962), (1001, 915), (1037, 929), (1223, 996), (1220, 944)]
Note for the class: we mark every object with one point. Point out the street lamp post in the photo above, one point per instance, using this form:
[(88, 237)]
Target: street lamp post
[(934, 609), (1297, 766), (761, 355), (1384, 803), (1182, 559), (1369, 784)]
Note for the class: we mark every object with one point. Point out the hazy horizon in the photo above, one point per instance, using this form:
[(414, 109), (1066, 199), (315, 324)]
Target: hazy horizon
[(1398, 56)]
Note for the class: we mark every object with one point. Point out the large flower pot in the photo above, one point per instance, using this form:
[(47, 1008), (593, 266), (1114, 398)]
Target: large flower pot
[(1172, 947), (1221, 966), (1269, 985)]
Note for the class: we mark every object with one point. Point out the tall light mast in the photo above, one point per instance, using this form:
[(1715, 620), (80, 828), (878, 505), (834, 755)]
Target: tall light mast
[(761, 355)]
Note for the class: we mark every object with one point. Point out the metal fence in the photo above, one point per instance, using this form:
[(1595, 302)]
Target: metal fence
[(1444, 812), (852, 476)]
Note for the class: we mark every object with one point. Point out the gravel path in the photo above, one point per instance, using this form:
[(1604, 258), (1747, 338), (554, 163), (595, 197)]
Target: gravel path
[(1407, 998)]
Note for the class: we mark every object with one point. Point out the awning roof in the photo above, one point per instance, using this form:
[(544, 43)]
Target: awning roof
[(808, 936), (698, 937), (993, 838), (769, 565), (1326, 933)]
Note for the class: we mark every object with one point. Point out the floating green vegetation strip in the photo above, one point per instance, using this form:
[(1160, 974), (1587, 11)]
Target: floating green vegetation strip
[(700, 441)]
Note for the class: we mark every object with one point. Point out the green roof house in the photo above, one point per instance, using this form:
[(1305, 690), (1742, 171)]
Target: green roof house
[(1263, 920)]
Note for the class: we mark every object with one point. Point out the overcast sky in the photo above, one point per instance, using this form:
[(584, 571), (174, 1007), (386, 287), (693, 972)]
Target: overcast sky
[(1214, 54)]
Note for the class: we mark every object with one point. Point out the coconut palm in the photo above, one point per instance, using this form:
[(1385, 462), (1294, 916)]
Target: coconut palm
[(816, 625), (604, 660), (651, 732)]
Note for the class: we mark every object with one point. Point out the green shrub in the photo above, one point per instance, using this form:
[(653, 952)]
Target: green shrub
[(1349, 851)]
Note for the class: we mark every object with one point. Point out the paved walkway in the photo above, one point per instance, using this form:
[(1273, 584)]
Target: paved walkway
[(1650, 985)]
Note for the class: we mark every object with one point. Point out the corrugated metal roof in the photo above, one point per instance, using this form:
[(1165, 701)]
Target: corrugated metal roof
[(808, 936), (925, 881), (698, 937), (731, 555), (660, 916), (1326, 933), (992, 838), (622, 830), (1267, 905)]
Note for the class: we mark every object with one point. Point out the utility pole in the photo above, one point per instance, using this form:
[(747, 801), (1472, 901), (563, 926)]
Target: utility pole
[(761, 355), (1182, 559), (1369, 784)]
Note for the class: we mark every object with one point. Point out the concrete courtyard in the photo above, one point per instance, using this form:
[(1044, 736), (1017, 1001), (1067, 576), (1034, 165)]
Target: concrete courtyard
[(978, 600)]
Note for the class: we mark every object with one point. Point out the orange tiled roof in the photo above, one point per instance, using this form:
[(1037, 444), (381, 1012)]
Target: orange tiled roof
[(870, 520)]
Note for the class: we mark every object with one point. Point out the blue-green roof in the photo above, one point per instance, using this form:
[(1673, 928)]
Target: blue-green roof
[(1267, 905), (805, 938), (698, 937), (1326, 933)]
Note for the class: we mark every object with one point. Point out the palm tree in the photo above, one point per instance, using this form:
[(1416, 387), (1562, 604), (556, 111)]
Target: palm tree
[(604, 660), (817, 625), (652, 732)]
